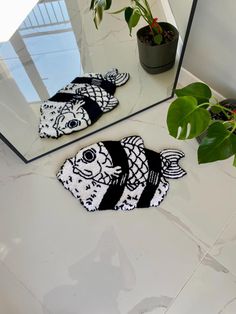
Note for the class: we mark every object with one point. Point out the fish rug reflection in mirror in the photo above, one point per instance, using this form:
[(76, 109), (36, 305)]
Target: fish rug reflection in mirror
[(80, 103), (120, 175)]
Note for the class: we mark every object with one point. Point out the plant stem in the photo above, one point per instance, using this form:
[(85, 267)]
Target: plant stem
[(144, 12), (148, 8), (234, 163), (222, 107), (144, 17), (204, 104), (233, 129), (216, 100), (218, 106)]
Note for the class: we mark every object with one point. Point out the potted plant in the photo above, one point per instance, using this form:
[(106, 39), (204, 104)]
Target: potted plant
[(157, 42), (195, 113)]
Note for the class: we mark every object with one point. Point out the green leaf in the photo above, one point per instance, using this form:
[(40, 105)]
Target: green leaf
[(198, 90), (128, 13), (98, 16), (108, 4), (134, 19), (98, 6), (92, 4), (218, 144), (215, 109), (158, 39), (185, 119)]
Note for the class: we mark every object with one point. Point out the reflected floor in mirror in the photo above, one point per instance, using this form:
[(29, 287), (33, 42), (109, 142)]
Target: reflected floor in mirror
[(58, 42)]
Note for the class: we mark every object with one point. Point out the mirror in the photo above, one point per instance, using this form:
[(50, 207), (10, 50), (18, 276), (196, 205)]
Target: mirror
[(58, 42)]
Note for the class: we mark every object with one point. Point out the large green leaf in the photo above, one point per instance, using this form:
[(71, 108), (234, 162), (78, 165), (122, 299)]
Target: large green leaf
[(198, 90), (185, 119), (218, 144)]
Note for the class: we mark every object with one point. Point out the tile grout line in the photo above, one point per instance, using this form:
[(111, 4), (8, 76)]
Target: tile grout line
[(182, 226), (201, 260)]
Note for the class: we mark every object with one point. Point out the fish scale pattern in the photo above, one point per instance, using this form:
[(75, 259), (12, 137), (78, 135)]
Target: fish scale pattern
[(105, 100), (138, 165)]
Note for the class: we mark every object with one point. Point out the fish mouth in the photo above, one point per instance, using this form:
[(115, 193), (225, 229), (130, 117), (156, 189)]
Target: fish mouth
[(88, 174)]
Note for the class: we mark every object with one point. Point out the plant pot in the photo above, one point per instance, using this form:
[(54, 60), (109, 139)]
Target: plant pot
[(157, 58), (229, 103)]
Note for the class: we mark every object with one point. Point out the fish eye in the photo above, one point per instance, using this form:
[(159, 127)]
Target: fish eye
[(89, 155), (72, 123)]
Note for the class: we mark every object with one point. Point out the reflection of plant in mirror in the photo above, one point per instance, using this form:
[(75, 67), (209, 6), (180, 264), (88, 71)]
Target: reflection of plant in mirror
[(196, 112), (132, 14)]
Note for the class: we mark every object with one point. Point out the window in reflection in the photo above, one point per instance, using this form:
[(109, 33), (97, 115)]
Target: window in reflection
[(43, 55), (17, 70)]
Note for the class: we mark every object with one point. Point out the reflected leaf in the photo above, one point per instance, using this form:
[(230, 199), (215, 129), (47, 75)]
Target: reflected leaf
[(158, 39), (128, 14), (98, 16), (119, 11), (134, 19), (108, 4)]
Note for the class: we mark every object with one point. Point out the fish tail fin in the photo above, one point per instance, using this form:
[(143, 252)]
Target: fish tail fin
[(116, 78), (170, 163)]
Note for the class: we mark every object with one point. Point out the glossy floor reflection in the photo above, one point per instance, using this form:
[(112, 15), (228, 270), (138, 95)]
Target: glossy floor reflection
[(57, 258)]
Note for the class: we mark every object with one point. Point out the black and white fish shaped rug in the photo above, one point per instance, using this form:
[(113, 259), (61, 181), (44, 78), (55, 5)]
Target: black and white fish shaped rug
[(80, 103), (120, 175)]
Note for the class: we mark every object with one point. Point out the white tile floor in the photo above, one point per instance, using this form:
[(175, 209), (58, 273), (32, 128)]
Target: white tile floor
[(57, 258)]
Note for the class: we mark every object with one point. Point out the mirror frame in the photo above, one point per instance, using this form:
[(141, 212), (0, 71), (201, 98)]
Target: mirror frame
[(185, 41)]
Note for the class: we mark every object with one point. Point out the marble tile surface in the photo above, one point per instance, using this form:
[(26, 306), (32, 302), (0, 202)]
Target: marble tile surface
[(225, 247), (211, 290), (15, 297), (55, 257)]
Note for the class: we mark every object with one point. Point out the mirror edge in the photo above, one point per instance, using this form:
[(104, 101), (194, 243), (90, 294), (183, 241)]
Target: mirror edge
[(185, 41)]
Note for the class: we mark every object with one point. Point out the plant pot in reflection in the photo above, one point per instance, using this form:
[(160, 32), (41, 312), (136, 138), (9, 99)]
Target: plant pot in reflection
[(157, 58)]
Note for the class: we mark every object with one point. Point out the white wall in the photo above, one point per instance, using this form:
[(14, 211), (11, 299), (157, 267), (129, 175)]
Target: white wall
[(211, 50), (181, 10)]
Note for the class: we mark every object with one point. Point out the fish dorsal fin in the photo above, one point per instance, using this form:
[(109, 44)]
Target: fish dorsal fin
[(117, 78), (138, 165), (133, 140)]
